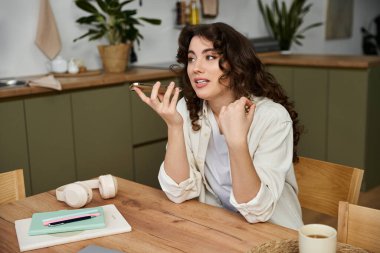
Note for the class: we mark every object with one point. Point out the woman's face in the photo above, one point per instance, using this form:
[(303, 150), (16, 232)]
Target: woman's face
[(204, 72)]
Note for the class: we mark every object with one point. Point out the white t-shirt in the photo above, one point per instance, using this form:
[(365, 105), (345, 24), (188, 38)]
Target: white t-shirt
[(217, 169)]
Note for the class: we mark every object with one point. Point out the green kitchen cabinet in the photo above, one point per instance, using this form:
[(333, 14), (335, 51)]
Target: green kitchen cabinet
[(73, 135), (310, 98), (149, 134), (285, 77), (339, 109), (147, 125), (372, 128), (13, 139), (307, 88), (102, 132), (50, 141), (354, 120), (148, 159), (347, 116)]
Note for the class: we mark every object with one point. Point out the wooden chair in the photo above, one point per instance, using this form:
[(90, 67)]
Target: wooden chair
[(359, 226), (323, 184), (12, 186)]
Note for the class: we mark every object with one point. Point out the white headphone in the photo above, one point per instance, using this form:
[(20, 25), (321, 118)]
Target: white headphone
[(79, 193)]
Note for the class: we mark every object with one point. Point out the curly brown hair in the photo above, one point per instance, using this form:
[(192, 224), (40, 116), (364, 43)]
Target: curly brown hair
[(247, 74)]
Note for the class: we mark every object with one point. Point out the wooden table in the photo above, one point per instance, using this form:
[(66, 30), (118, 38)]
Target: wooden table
[(158, 225)]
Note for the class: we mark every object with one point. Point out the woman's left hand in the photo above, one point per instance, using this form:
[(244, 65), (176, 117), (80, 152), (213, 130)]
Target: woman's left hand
[(236, 119)]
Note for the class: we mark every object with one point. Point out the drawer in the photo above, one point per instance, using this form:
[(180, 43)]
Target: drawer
[(147, 161)]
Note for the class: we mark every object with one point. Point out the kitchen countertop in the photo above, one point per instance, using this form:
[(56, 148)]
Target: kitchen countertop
[(317, 60), (151, 74), (103, 79)]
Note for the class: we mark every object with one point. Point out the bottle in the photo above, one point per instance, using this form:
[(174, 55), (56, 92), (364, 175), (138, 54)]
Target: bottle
[(183, 12), (178, 11), (194, 13)]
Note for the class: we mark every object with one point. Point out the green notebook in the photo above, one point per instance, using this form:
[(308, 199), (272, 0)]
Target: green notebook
[(37, 226)]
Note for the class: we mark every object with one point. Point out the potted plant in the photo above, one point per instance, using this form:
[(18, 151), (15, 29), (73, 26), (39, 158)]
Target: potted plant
[(285, 22), (108, 20)]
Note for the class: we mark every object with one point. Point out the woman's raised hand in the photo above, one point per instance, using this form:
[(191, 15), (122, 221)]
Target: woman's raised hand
[(235, 120), (163, 104)]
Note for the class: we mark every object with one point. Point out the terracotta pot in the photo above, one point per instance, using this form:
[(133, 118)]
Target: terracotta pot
[(115, 57)]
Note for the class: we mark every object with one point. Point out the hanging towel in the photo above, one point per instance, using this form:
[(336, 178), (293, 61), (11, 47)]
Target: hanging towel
[(47, 81), (47, 38)]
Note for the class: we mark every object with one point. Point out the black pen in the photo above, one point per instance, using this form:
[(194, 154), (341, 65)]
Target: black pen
[(69, 221)]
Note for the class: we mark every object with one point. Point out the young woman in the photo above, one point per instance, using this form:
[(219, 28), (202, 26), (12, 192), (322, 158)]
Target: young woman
[(232, 138)]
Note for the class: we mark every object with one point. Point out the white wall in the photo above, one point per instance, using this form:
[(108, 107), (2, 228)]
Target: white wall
[(18, 24)]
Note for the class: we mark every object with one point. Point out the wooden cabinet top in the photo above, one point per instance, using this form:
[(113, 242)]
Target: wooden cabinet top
[(316, 60), (81, 82), (145, 74)]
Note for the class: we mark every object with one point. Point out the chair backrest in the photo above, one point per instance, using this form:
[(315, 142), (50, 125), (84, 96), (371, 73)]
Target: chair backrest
[(12, 186), (359, 226), (323, 184)]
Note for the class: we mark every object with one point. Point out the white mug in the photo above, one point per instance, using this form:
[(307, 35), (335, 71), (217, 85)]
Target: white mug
[(316, 238)]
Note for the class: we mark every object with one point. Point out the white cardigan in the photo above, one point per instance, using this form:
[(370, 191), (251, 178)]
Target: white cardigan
[(270, 141)]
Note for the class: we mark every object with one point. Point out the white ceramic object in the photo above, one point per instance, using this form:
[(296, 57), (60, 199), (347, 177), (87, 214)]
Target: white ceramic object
[(73, 67), (286, 52), (317, 238), (59, 65)]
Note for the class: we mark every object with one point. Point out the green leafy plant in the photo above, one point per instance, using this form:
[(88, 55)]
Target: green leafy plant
[(285, 23), (109, 20)]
